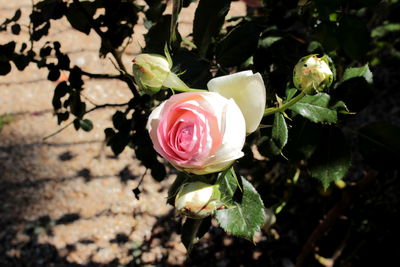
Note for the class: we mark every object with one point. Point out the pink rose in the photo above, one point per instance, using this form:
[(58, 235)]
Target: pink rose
[(198, 132)]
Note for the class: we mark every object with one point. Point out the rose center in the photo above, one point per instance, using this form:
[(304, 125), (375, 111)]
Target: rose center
[(185, 138)]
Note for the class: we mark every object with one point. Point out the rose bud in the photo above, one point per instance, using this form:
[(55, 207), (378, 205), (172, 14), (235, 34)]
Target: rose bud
[(197, 200), (311, 73), (153, 72)]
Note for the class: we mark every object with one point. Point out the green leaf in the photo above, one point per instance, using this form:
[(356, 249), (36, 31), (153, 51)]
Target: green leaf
[(245, 213), (208, 20), (315, 108), (332, 159), (361, 72), (193, 230), (86, 125), (382, 30), (290, 92), (238, 45), (304, 139), (279, 134)]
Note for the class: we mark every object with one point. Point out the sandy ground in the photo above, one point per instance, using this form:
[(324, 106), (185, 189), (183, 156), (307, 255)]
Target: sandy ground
[(69, 193)]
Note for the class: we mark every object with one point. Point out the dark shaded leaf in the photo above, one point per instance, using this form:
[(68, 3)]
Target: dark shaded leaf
[(208, 20), (5, 67), (332, 159), (76, 15), (7, 51), (60, 91), (53, 75), (238, 45), (120, 122), (159, 35), (21, 61), (193, 230), (77, 124), (352, 28), (176, 185), (39, 33), (45, 51), (62, 116), (136, 191), (17, 15), (326, 33), (158, 171), (355, 89), (380, 144), (118, 142), (303, 139), (16, 29), (75, 78)]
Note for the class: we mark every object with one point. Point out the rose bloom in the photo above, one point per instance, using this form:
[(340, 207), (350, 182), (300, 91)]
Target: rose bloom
[(204, 132), (198, 132)]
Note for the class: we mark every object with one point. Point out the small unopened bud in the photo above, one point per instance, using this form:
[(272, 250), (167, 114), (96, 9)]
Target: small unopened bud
[(150, 72), (312, 72), (198, 200)]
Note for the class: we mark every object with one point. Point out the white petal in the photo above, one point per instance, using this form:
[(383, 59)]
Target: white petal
[(248, 91)]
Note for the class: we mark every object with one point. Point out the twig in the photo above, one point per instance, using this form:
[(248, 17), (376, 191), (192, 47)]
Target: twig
[(106, 106), (333, 215), (110, 48), (58, 131), (90, 110)]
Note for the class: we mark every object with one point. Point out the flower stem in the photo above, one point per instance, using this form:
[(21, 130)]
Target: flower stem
[(284, 106)]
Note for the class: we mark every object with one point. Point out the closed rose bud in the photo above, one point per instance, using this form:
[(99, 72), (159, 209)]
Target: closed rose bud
[(312, 72), (153, 72), (197, 200)]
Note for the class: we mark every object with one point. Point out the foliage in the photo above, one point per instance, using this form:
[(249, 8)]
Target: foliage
[(309, 135)]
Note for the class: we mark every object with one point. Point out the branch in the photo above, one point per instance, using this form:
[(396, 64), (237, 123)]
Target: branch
[(88, 111), (333, 215), (109, 47)]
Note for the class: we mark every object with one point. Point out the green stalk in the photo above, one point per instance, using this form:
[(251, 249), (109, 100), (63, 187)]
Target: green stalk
[(284, 106)]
